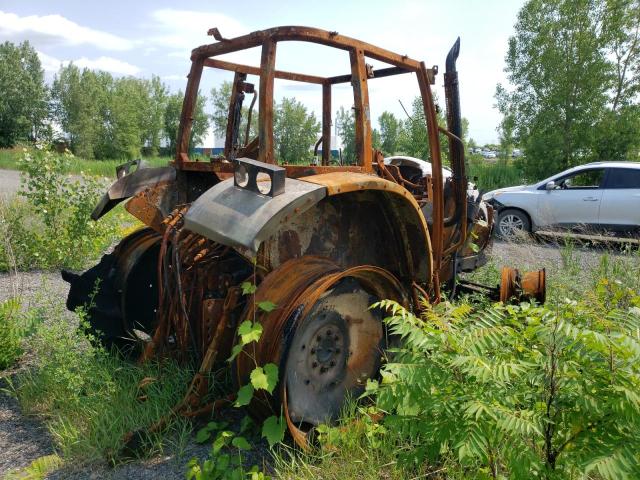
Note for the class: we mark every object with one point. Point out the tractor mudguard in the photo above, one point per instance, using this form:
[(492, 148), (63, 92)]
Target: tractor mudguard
[(351, 218), (236, 217), (130, 184)]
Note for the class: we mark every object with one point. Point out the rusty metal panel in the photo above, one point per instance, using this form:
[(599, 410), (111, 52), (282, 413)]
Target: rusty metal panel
[(361, 105), (265, 101), (240, 218), (129, 185), (326, 123)]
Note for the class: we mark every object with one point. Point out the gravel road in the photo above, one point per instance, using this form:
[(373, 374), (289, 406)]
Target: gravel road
[(22, 439), (9, 182)]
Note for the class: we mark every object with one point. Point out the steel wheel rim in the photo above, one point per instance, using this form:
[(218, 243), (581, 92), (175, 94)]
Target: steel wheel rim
[(296, 287), (336, 347), (510, 224)]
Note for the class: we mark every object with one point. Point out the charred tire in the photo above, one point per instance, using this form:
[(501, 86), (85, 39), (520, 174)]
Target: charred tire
[(511, 223), (322, 336)]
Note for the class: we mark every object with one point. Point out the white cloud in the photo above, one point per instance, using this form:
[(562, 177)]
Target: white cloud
[(174, 77), (48, 29), (108, 64), (49, 63), (187, 29)]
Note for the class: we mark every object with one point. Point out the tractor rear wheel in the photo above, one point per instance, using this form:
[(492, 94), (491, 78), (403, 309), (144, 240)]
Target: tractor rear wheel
[(322, 336)]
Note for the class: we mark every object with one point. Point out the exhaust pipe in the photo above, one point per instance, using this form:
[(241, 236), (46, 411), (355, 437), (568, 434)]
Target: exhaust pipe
[(454, 125)]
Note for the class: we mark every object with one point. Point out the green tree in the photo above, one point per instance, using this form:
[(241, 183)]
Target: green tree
[(390, 128), (172, 111), (154, 114), (414, 139), (128, 103), (80, 106), (23, 97), (201, 122), (220, 98), (376, 139), (345, 121), (573, 67), (295, 132)]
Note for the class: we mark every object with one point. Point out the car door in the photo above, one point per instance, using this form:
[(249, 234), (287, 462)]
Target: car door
[(575, 200), (620, 205)]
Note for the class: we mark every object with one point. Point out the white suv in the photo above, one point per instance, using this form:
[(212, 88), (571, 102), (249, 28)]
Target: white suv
[(596, 196)]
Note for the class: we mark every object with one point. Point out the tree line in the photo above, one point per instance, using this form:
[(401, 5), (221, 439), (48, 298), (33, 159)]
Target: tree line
[(396, 136), (101, 116), (574, 67)]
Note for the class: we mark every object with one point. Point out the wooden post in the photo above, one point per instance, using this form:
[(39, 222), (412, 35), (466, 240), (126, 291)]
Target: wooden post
[(265, 101)]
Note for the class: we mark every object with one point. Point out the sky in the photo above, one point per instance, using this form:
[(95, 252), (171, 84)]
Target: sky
[(141, 38)]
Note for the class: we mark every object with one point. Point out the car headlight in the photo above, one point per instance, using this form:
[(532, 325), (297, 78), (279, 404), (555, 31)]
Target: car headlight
[(490, 195)]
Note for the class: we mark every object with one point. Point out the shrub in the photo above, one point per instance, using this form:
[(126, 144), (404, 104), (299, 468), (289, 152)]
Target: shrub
[(521, 391), (51, 227)]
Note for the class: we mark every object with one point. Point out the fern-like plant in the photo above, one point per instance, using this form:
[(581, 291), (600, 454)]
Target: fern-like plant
[(519, 391)]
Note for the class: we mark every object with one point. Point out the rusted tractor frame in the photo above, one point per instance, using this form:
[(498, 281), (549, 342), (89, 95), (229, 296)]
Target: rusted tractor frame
[(321, 242)]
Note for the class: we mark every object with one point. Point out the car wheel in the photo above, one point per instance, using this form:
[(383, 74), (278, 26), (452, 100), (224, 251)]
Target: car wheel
[(512, 223)]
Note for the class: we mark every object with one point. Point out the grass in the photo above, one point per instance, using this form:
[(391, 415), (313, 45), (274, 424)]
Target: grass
[(492, 175), (90, 398), (100, 168)]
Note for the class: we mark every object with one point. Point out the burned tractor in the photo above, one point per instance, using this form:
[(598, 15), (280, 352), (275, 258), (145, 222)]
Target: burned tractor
[(320, 242)]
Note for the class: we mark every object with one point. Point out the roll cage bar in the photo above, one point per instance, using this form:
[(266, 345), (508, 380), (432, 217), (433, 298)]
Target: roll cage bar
[(361, 73)]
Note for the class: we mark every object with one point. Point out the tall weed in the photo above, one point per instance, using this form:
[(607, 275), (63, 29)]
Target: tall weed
[(89, 397), (15, 325), (50, 225), (492, 175)]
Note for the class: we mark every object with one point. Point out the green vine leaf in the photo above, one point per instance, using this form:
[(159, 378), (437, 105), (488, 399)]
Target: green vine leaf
[(273, 430), (249, 332), (241, 443), (203, 435), (235, 351), (248, 288), (221, 441), (271, 371), (267, 306), (245, 394)]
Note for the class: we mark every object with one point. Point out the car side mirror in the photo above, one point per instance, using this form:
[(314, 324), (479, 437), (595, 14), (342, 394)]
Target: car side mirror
[(550, 185)]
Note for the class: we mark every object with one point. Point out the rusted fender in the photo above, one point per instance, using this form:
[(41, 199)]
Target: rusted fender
[(130, 184), (236, 217)]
